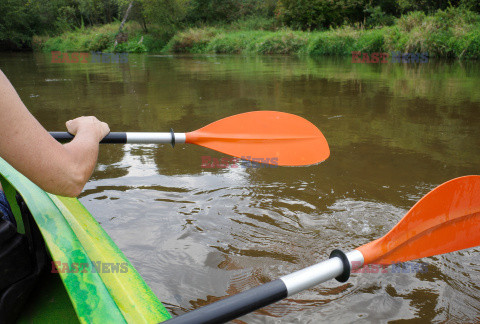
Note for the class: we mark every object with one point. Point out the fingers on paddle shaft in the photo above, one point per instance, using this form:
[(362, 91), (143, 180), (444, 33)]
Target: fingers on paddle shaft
[(110, 138), (445, 220), (265, 136)]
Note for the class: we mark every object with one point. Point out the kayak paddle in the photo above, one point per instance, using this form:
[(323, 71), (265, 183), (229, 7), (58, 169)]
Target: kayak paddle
[(269, 137), (447, 219)]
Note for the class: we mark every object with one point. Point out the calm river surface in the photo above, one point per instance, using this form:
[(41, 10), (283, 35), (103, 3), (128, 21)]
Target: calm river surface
[(195, 235)]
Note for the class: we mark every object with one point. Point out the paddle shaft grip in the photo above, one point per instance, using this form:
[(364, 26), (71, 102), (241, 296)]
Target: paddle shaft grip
[(236, 305), (111, 138), (130, 137), (250, 300)]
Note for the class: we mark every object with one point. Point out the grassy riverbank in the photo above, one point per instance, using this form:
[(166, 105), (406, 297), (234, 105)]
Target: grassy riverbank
[(102, 38), (452, 33)]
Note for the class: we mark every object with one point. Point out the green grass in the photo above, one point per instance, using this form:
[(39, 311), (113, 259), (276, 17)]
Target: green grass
[(284, 41), (102, 39), (453, 33)]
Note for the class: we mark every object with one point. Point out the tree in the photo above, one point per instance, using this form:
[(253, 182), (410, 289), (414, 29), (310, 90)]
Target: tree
[(315, 14), (167, 15)]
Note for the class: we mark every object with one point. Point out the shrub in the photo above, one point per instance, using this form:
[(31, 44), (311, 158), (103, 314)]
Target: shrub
[(318, 14), (370, 41), (308, 15), (166, 14), (134, 46), (395, 40), (472, 5), (284, 42), (193, 40), (65, 19), (376, 17), (228, 11), (471, 50), (254, 23), (100, 42), (328, 43), (154, 43), (409, 21), (228, 43)]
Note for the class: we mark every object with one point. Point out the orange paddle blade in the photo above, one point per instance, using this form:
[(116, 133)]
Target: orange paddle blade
[(447, 219), (270, 137)]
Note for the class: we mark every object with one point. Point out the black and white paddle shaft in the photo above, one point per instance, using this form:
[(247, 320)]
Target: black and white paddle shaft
[(338, 266), (131, 137)]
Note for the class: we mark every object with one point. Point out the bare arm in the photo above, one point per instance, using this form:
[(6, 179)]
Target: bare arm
[(27, 146)]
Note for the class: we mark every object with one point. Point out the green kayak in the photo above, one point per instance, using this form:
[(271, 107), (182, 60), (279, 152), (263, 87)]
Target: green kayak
[(90, 280)]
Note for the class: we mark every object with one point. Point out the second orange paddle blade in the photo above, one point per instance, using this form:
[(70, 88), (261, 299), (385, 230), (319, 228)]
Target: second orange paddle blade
[(447, 219)]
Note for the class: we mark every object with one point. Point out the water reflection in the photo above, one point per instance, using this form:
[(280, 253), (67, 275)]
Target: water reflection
[(395, 132)]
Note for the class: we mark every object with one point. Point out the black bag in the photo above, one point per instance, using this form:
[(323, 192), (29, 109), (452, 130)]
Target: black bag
[(23, 258)]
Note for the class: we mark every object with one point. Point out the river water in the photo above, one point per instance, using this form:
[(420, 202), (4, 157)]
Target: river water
[(195, 234)]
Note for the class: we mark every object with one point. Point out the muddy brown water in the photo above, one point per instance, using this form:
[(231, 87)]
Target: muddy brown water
[(195, 234)]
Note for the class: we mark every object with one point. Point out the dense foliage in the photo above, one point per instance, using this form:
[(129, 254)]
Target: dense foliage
[(453, 32), (20, 20)]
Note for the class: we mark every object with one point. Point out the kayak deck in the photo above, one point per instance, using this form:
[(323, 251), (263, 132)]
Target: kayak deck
[(112, 294)]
